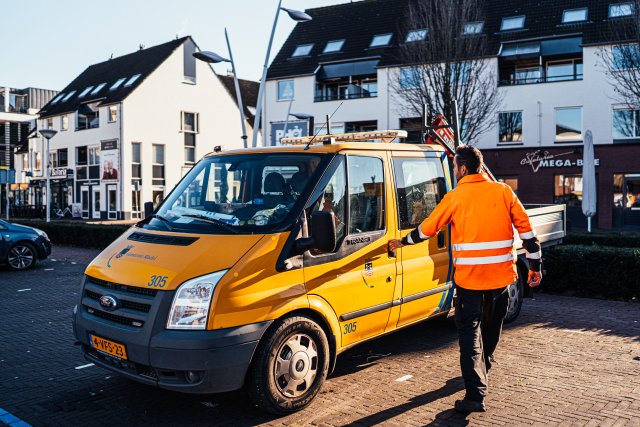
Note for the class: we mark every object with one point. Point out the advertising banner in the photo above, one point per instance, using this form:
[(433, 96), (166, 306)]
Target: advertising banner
[(110, 161)]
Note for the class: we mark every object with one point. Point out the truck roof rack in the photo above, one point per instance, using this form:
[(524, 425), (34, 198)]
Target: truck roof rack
[(381, 135)]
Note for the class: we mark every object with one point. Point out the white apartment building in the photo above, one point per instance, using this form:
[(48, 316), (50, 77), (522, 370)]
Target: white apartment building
[(129, 128), (545, 58)]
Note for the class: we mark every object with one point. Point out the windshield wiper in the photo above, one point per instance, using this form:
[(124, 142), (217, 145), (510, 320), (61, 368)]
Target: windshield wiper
[(221, 224), (164, 220)]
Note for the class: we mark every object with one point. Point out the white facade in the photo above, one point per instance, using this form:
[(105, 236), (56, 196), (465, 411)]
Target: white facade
[(151, 116)]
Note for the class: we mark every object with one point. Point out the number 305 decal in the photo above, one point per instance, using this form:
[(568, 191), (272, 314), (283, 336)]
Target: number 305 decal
[(349, 328), (158, 281)]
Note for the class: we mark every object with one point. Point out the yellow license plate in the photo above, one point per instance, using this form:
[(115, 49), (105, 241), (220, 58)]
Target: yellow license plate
[(108, 347)]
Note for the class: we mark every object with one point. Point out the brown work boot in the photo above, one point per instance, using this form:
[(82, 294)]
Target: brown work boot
[(467, 406)]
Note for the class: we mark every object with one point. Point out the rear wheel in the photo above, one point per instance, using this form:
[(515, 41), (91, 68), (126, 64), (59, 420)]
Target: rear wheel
[(290, 366), (516, 295), (22, 256)]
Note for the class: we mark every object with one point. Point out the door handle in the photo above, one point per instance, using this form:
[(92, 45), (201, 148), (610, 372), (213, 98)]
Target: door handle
[(441, 240)]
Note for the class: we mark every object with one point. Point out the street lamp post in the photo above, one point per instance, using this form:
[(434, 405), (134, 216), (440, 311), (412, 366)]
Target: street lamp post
[(47, 134), (214, 58), (296, 15)]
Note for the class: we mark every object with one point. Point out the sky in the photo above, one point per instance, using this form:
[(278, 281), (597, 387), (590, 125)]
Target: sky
[(47, 43)]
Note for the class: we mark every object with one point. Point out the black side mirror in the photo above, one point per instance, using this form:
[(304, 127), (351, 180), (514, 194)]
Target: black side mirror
[(148, 209), (323, 233)]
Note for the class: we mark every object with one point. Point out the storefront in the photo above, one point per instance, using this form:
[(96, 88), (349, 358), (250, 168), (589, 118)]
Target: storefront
[(554, 175)]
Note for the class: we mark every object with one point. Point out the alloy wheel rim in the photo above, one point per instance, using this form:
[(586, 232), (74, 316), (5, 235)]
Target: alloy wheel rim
[(20, 257), (296, 365), (514, 298)]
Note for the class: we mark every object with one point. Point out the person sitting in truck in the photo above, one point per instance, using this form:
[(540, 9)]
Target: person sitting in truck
[(482, 214)]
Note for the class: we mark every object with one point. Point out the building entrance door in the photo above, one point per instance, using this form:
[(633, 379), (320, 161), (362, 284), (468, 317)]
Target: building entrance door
[(84, 200), (95, 197), (112, 202)]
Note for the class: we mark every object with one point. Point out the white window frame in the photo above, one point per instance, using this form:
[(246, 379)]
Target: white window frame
[(417, 77), (521, 135), (48, 123), (624, 108), (196, 122), (64, 124), (555, 125), (110, 109), (339, 43), (302, 50), (164, 166), (620, 7), (569, 11), (379, 37), (512, 19), (293, 90)]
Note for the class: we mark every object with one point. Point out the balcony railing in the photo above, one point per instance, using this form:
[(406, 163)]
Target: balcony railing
[(344, 96), (540, 79)]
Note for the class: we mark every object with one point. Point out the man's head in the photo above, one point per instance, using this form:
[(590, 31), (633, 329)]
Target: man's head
[(467, 161)]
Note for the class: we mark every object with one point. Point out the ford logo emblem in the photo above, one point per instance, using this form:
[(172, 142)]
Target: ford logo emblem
[(108, 302)]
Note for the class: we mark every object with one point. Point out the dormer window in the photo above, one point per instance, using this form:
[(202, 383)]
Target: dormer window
[(512, 23), (416, 36), (473, 28), (381, 40), (574, 15), (302, 50), (117, 84), (333, 46), (620, 9)]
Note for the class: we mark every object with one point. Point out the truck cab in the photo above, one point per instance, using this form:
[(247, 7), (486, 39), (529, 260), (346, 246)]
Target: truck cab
[(263, 265)]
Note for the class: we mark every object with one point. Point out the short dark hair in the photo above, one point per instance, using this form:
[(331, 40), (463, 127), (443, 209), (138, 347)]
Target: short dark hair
[(470, 157)]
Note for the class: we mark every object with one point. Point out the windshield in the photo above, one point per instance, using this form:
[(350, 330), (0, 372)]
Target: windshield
[(238, 193)]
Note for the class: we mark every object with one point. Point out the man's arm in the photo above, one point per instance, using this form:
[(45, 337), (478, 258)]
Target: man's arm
[(530, 242), (440, 217)]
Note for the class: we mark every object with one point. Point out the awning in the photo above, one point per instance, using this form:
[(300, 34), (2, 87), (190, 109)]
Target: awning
[(520, 50), (562, 46), (346, 69)]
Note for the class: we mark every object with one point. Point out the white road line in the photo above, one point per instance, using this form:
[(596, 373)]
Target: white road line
[(404, 378), (23, 290), (48, 269), (84, 366)]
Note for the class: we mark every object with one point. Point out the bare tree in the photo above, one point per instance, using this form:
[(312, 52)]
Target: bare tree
[(448, 65), (621, 58)]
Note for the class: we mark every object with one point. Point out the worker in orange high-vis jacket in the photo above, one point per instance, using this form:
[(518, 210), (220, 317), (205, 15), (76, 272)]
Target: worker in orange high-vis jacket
[(482, 214)]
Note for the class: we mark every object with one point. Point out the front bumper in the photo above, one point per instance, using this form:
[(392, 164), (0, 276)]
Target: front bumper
[(187, 361), (44, 247)]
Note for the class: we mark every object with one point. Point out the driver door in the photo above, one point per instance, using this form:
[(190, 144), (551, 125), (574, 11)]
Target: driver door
[(358, 279)]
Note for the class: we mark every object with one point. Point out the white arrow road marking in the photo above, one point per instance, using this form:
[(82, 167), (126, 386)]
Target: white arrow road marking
[(84, 366)]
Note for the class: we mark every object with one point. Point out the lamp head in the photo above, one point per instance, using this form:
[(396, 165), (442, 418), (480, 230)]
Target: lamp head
[(301, 116), (297, 15), (47, 133), (210, 57)]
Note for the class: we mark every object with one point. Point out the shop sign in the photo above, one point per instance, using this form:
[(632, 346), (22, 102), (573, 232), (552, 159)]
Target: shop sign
[(295, 129), (59, 172), (543, 159)]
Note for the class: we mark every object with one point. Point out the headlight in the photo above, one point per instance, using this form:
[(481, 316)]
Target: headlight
[(42, 233), (190, 307)]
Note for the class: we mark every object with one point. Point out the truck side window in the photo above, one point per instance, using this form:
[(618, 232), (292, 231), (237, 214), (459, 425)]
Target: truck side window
[(420, 186), (366, 194), (332, 199)]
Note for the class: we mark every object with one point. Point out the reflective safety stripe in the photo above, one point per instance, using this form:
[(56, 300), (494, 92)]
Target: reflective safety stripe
[(409, 239), (528, 235), (534, 255), (422, 235), (482, 245), (484, 260)]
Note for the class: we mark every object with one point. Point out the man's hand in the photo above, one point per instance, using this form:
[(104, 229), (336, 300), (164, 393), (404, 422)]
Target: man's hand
[(394, 244), (534, 278)]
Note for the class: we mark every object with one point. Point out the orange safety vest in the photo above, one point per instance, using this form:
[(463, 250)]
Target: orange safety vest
[(482, 214)]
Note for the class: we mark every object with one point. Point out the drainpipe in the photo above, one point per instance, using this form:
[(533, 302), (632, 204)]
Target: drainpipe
[(539, 124)]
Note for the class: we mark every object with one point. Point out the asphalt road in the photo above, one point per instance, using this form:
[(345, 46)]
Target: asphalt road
[(565, 361)]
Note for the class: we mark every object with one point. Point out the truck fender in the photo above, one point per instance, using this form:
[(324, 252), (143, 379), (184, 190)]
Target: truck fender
[(322, 307)]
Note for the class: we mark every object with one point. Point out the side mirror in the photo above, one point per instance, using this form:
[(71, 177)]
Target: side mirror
[(148, 209), (323, 233)]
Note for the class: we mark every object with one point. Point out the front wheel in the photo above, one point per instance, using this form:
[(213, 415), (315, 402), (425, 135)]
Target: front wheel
[(22, 256), (516, 295), (290, 366)]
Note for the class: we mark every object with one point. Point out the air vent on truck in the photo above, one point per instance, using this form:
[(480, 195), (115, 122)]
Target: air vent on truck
[(160, 239)]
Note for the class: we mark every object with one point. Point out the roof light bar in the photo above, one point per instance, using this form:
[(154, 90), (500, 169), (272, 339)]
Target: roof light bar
[(383, 135)]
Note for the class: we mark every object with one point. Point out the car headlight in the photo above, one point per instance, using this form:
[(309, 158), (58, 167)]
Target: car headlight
[(190, 307), (42, 233)]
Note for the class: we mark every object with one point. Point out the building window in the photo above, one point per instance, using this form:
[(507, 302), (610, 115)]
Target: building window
[(285, 90), (626, 191), (568, 190), (117, 84), (98, 88), (49, 124), (63, 158), (574, 15), (64, 122), (473, 28), (38, 156), (88, 116), (626, 123), (189, 122), (460, 73), (381, 40), (333, 46), (510, 126), (113, 113), (409, 78), (81, 155), (302, 50), (53, 159), (416, 36), (57, 98), (511, 181), (626, 56), (620, 9), (564, 70), (512, 23), (136, 167), (132, 80), (568, 124), (85, 91), (69, 95), (158, 165), (189, 148)]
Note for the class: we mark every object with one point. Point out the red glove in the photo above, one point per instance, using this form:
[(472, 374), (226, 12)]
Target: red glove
[(534, 278)]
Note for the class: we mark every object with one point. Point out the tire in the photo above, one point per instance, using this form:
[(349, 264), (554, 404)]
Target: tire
[(516, 295), (22, 256), (274, 383)]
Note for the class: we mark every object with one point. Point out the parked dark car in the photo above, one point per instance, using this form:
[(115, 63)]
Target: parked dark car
[(21, 246)]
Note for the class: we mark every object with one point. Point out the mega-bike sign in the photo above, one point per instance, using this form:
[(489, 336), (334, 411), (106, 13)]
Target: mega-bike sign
[(544, 159)]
